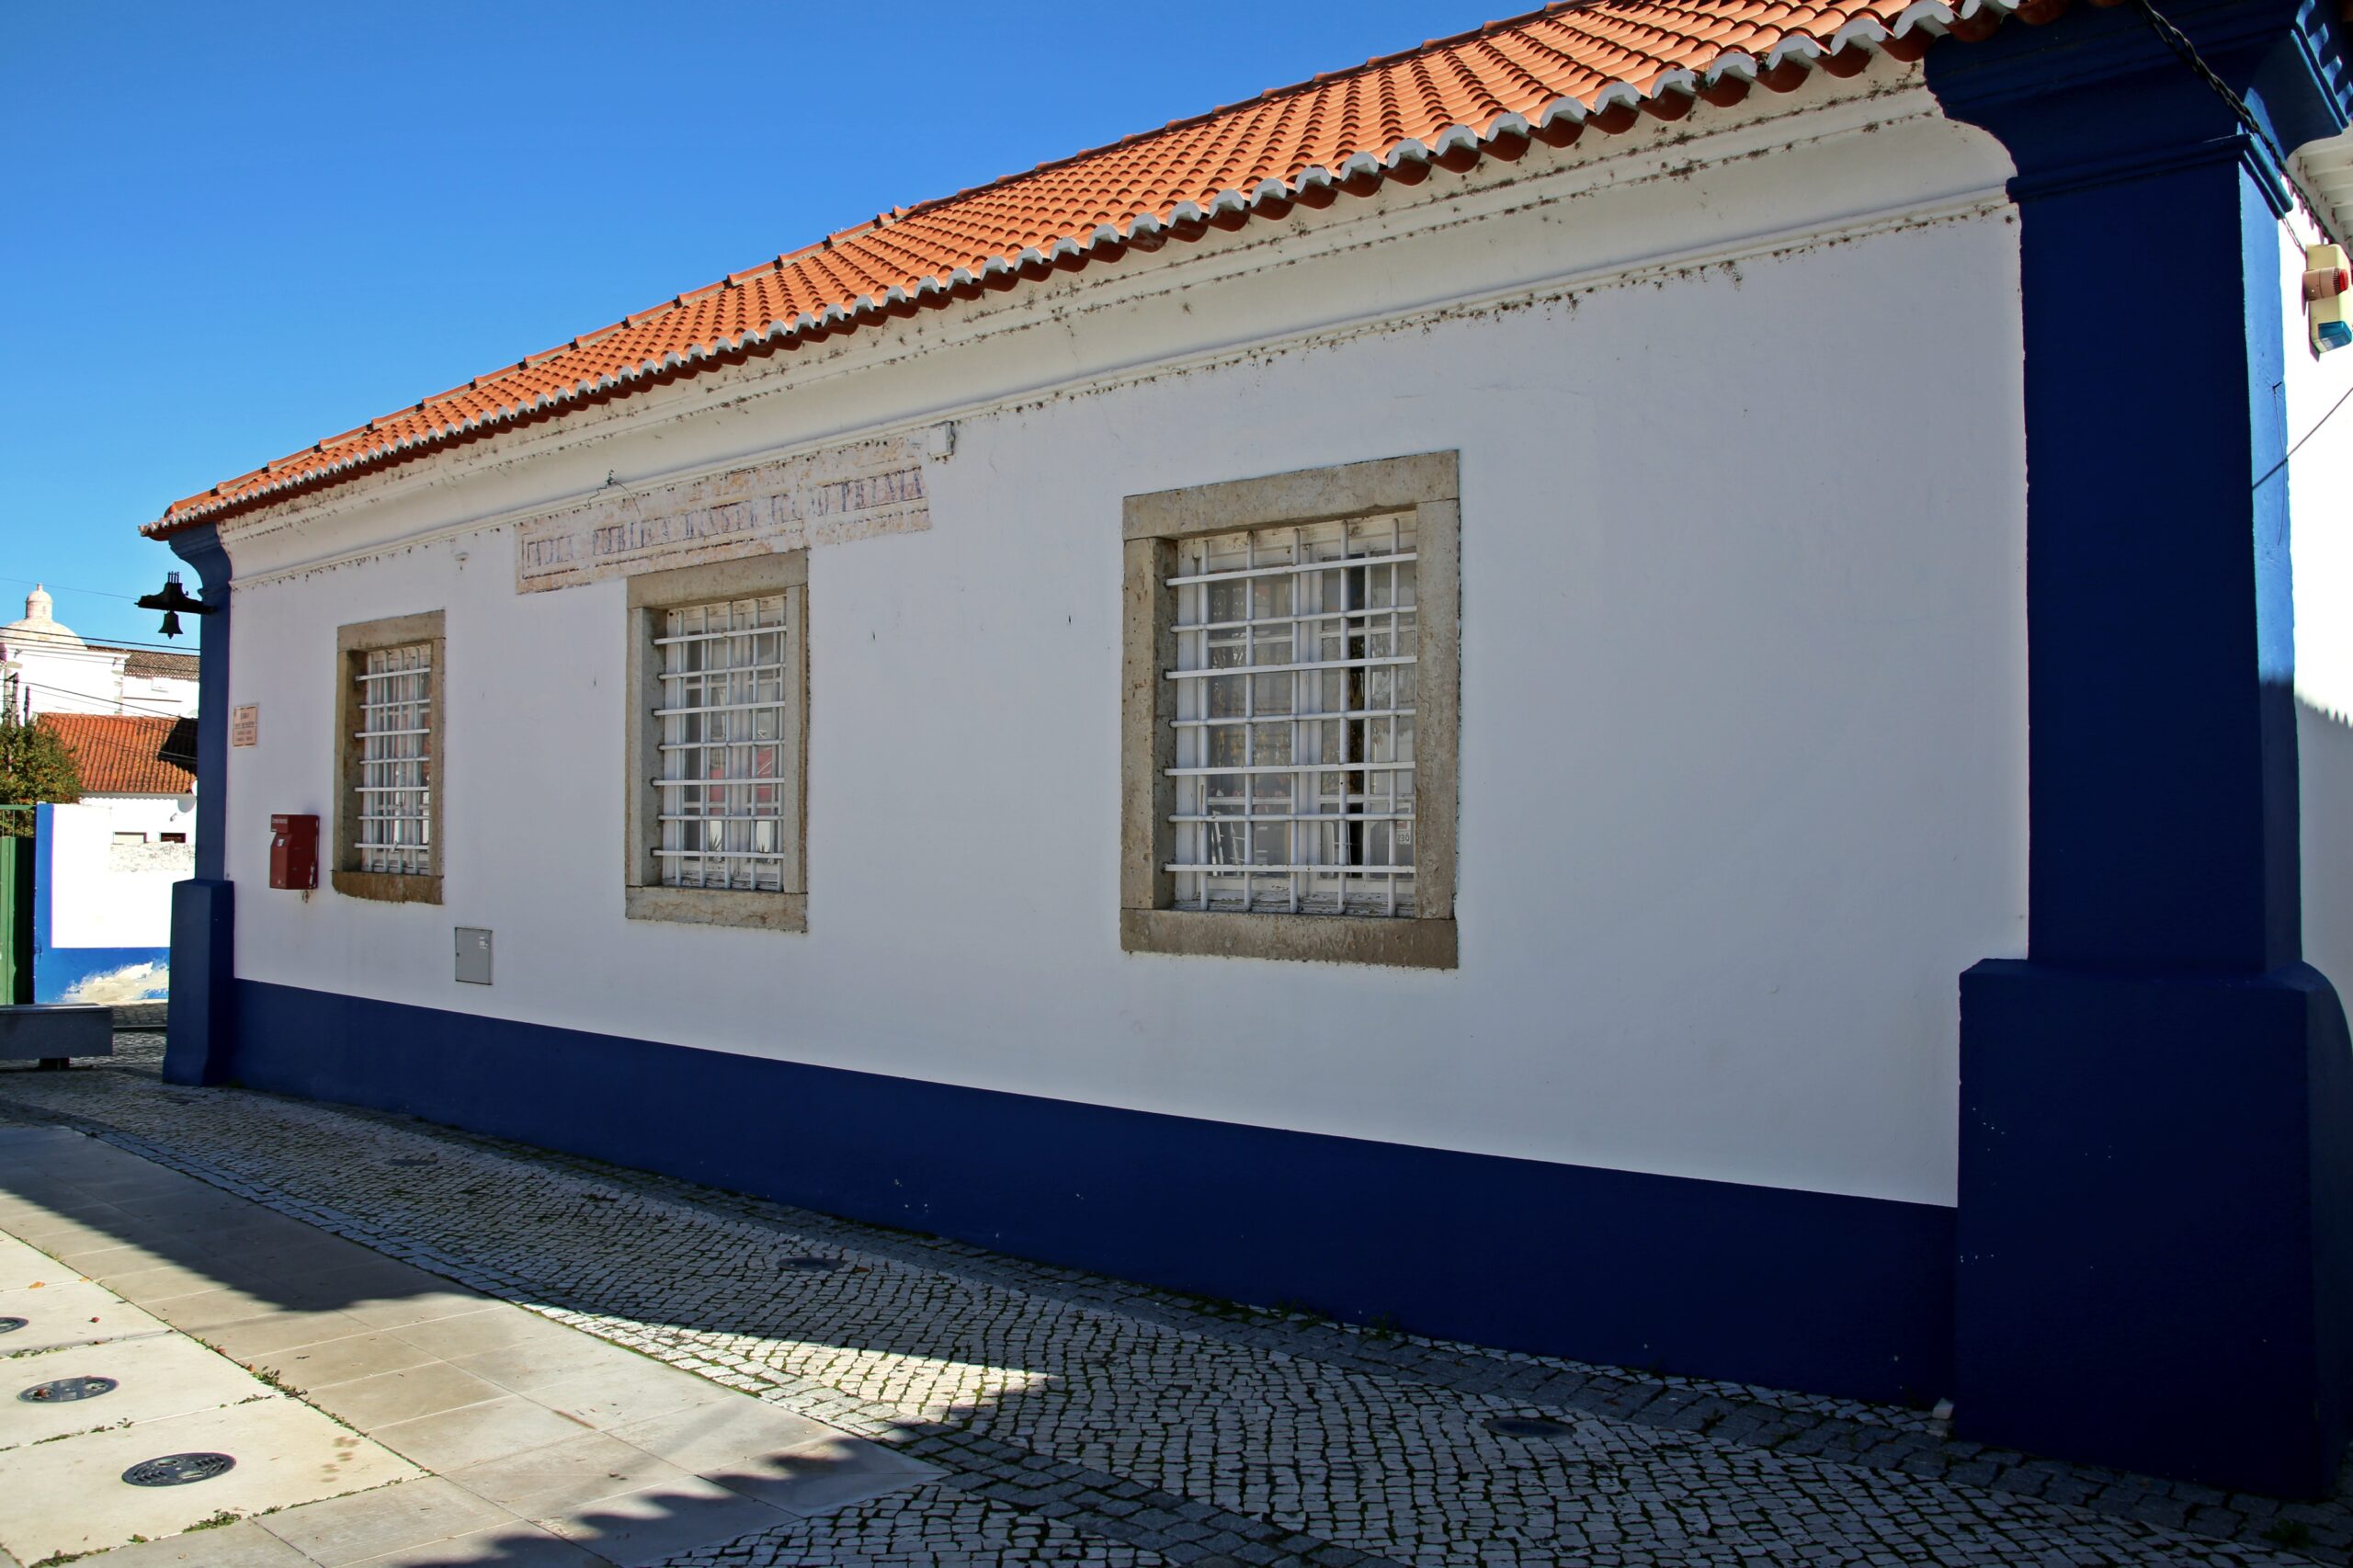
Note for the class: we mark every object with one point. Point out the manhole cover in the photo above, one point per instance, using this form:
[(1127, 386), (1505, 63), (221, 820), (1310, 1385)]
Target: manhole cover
[(178, 1470), (66, 1389), (1530, 1426), (10, 1326), (812, 1264), (416, 1160)]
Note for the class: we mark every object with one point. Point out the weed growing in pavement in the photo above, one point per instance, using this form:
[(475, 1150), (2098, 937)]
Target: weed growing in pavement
[(2290, 1533), (265, 1375), (60, 1436)]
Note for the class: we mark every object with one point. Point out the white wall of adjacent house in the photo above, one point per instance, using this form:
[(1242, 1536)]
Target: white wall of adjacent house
[(159, 694), (1742, 767), (2320, 489), (158, 820), (57, 679), (46, 668), (111, 870)]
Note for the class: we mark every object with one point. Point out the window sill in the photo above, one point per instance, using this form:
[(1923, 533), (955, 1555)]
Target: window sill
[(388, 887), (710, 906), (1313, 938)]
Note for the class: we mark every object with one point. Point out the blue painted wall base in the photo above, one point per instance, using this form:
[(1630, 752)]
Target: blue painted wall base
[(1843, 1295), (197, 1015), (2157, 1206), (204, 910)]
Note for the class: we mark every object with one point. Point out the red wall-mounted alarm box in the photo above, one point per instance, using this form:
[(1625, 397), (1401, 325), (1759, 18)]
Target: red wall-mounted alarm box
[(293, 851)]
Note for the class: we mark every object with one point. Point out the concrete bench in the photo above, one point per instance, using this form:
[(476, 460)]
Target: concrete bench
[(50, 1032)]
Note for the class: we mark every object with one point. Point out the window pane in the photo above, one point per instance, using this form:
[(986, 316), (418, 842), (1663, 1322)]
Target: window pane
[(1328, 738), (721, 706), (396, 784)]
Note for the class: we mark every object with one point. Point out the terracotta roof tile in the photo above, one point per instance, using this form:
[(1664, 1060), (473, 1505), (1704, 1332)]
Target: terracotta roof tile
[(1554, 74), (124, 755)]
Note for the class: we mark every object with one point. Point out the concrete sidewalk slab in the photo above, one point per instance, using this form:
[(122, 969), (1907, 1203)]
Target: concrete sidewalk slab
[(21, 1265), (157, 1376), (70, 1496), (369, 1524), (241, 1545), (517, 1545), (73, 1312), (641, 1528), (339, 1360), (542, 1482)]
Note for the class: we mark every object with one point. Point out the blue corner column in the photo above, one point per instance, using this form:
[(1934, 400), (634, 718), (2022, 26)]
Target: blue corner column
[(204, 908), (2156, 1203)]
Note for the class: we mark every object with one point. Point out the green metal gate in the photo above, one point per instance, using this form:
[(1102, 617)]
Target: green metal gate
[(16, 920)]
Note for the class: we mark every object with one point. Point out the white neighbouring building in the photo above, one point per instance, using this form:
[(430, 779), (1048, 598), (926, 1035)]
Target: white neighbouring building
[(105, 866), (47, 667), (1672, 886)]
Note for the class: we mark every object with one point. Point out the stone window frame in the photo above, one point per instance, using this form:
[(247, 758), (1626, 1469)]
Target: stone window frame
[(651, 594), (1428, 484), (353, 643)]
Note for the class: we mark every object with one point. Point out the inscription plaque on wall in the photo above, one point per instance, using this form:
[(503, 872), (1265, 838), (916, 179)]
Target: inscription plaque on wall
[(245, 725), (844, 493)]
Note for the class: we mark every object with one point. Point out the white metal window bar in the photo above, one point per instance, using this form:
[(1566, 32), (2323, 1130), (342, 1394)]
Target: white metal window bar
[(395, 737), (1294, 719), (723, 708)]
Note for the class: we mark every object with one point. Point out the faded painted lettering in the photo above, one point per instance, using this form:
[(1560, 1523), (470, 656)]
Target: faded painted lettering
[(853, 491)]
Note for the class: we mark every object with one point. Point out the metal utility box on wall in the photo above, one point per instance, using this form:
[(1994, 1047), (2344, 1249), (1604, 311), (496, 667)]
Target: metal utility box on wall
[(473, 955), (293, 851)]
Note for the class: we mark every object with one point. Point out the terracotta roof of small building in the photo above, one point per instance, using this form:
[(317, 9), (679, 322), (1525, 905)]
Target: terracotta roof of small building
[(1551, 75), (121, 755)]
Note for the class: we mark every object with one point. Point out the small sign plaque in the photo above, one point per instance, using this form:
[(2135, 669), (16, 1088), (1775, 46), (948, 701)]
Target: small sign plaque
[(844, 493), (245, 725)]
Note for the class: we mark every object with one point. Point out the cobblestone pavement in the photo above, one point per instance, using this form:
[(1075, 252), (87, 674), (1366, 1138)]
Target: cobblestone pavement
[(1082, 1420)]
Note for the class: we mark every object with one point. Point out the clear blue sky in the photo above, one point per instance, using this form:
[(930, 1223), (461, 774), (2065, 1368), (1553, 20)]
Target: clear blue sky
[(233, 229)]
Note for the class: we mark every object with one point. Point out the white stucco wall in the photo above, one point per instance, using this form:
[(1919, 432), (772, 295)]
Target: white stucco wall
[(57, 679), (102, 899), (159, 694), (1743, 716), (153, 815), (2320, 482), (60, 680)]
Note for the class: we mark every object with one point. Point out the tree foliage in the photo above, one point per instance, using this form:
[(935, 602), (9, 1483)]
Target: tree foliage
[(34, 766)]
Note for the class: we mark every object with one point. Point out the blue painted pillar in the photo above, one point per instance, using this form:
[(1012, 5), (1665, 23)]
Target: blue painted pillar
[(204, 908), (2156, 1141)]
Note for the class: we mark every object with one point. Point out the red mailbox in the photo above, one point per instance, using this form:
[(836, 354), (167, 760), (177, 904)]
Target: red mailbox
[(293, 851)]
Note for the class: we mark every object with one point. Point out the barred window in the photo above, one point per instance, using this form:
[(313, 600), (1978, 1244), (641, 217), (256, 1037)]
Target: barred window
[(1291, 692), (389, 732), (395, 762), (726, 720), (718, 743), (1293, 688)]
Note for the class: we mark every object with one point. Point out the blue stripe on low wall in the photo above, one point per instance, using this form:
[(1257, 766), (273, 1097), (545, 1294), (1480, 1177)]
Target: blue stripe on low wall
[(57, 972), (1843, 1295)]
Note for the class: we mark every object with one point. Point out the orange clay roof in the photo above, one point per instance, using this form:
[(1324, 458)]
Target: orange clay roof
[(1587, 65), (119, 755)]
